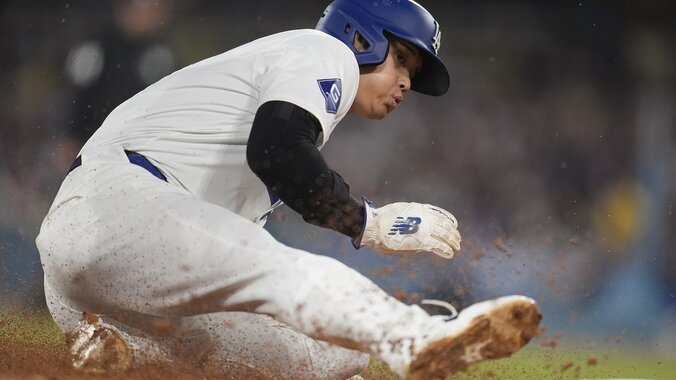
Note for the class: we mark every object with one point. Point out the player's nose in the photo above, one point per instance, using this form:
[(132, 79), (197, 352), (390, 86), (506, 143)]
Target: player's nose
[(404, 82)]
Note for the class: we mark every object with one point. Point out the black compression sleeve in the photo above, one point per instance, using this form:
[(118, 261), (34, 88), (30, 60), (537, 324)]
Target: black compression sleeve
[(282, 152)]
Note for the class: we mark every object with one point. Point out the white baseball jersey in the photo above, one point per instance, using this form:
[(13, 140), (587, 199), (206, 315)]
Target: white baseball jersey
[(194, 124)]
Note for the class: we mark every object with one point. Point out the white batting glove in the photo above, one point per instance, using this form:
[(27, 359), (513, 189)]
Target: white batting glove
[(404, 227)]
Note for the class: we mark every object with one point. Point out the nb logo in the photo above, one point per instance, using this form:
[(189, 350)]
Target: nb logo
[(405, 226)]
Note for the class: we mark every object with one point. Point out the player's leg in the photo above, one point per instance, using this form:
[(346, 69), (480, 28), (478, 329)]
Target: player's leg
[(97, 346), (230, 345), (131, 242), (238, 343), (159, 251), (73, 262)]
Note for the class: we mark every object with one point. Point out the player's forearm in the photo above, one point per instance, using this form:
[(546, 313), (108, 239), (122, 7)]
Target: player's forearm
[(282, 152)]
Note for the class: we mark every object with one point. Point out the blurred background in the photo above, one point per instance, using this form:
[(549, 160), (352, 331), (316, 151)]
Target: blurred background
[(555, 146)]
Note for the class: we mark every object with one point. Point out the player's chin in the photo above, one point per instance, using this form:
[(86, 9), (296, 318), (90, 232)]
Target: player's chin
[(381, 112), (376, 112), (375, 115)]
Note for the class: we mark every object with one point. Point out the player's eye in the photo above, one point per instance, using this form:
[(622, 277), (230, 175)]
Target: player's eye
[(401, 58)]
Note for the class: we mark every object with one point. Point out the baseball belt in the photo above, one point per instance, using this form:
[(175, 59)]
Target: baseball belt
[(134, 158)]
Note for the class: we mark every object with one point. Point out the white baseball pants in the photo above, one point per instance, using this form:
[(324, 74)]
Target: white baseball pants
[(156, 262)]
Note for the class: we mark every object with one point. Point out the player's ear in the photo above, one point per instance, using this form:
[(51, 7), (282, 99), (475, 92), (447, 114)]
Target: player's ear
[(360, 43)]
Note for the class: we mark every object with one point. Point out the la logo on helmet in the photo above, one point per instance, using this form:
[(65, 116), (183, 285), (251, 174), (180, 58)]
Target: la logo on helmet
[(436, 40)]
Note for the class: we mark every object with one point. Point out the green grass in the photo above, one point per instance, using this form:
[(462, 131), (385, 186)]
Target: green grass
[(575, 363), (538, 363), (30, 330), (38, 331)]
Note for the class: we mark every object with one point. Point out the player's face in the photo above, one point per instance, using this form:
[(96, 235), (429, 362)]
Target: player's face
[(383, 87)]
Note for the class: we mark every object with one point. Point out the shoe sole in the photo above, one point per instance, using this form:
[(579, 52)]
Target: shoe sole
[(496, 334)]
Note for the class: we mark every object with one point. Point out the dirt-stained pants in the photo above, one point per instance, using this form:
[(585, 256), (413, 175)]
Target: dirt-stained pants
[(148, 256)]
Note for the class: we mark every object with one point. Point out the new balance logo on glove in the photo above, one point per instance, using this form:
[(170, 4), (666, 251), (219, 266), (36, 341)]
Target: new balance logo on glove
[(405, 226), (389, 233)]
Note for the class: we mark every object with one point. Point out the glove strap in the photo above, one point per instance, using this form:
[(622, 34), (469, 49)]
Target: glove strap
[(370, 214)]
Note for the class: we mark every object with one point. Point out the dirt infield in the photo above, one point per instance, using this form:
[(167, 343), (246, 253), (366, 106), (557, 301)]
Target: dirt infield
[(18, 362), (33, 348), (21, 362)]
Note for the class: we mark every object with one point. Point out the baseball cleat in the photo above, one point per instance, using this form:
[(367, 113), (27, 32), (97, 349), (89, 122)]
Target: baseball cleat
[(95, 348), (487, 330)]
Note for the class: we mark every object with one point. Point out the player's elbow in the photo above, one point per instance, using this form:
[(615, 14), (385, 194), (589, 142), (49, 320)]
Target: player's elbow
[(258, 159)]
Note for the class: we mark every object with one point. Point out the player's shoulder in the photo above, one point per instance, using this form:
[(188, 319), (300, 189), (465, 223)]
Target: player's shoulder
[(314, 42), (312, 36)]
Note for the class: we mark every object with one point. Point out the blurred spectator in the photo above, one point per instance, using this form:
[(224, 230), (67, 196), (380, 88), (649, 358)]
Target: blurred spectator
[(121, 61)]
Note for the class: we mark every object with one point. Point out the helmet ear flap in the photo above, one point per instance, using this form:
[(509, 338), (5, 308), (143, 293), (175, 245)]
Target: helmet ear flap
[(360, 43), (343, 19), (404, 19)]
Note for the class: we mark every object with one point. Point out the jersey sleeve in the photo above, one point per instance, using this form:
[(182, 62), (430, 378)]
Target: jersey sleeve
[(315, 72)]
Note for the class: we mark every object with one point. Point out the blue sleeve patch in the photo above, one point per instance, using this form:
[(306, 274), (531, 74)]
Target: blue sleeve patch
[(332, 90)]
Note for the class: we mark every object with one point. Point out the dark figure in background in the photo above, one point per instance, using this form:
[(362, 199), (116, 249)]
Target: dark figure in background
[(122, 61)]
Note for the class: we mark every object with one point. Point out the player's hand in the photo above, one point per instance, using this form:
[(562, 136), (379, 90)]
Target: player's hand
[(404, 227)]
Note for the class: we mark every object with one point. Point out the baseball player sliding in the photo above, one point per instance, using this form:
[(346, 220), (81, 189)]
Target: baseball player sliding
[(154, 251)]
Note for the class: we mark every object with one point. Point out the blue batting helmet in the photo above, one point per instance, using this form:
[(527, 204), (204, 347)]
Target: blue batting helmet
[(404, 19)]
